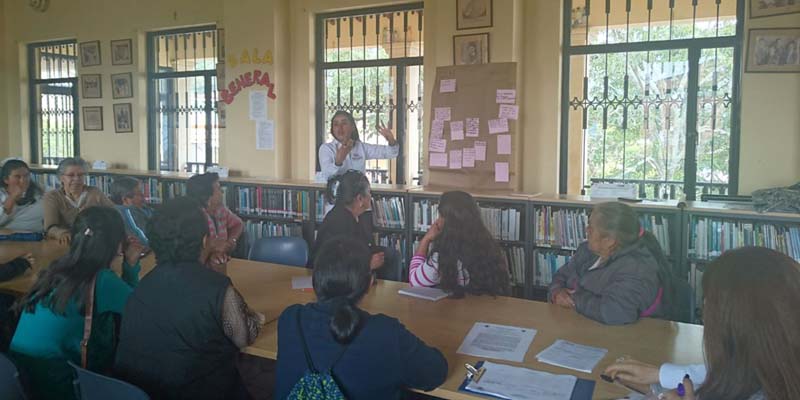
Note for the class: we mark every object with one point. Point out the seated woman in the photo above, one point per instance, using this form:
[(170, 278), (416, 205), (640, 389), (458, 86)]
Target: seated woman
[(184, 324), (126, 193), (51, 326), (61, 206), (369, 356), (750, 337), (20, 199), (619, 275), (224, 227), (458, 253)]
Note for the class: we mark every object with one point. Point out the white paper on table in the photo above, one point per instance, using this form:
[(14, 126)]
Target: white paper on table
[(437, 128), (506, 96), (511, 382), (497, 341), (258, 105), (442, 113), (508, 111), (498, 126), (447, 86), (438, 160), (501, 172), (469, 157), (570, 355), (480, 150), (438, 145), (473, 127), (302, 282), (455, 159), (265, 135), (456, 130), (504, 144)]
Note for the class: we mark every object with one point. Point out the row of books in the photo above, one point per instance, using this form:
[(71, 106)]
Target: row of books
[(45, 181), (261, 229), (388, 212), (503, 223), (172, 189), (395, 241), (262, 201), (515, 256), (546, 265), (710, 237)]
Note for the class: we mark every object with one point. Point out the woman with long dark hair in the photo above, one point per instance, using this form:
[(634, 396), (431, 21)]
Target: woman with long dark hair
[(52, 322), (369, 356), (458, 252), (20, 199)]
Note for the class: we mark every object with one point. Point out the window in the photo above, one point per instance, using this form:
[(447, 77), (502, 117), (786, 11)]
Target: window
[(369, 63), (53, 96), (183, 125), (649, 95)]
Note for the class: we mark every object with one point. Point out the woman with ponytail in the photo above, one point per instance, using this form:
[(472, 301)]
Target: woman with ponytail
[(369, 356), (51, 326), (619, 274)]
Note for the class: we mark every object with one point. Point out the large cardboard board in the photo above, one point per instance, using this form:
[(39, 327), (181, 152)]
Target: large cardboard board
[(475, 96)]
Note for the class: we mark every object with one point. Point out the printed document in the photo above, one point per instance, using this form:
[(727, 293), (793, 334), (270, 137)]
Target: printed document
[(509, 382), (572, 355), (497, 341)]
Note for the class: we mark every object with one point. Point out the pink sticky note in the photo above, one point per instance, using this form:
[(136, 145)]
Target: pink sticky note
[(501, 172), (437, 128), (480, 150), (503, 144), (509, 111), (455, 159), (498, 126), (506, 96), (442, 113), (447, 86), (437, 145), (469, 157), (473, 127), (438, 160), (456, 130)]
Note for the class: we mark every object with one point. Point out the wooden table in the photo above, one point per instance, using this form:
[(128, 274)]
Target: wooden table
[(444, 324)]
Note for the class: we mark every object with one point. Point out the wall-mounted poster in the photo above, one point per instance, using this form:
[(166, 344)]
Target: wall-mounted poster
[(91, 86), (767, 8), (123, 118), (473, 14), (122, 85), (93, 118), (122, 52), (471, 49), (90, 53), (773, 50)]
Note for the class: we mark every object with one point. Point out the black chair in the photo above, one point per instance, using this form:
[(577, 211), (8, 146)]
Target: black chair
[(93, 386), (10, 388), (280, 250)]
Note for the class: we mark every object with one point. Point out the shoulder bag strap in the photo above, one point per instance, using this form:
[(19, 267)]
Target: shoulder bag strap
[(87, 323)]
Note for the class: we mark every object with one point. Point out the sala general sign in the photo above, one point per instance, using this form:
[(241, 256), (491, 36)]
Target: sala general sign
[(245, 81)]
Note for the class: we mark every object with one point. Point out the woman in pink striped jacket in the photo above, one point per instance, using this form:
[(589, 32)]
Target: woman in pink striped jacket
[(458, 253)]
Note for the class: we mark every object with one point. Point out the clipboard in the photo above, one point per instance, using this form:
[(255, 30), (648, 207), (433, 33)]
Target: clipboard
[(584, 388)]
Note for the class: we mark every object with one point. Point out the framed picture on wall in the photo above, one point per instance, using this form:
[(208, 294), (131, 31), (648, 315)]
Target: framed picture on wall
[(90, 53), (91, 86), (767, 8), (773, 50), (93, 118), (122, 52), (123, 118), (473, 14), (471, 49), (122, 85)]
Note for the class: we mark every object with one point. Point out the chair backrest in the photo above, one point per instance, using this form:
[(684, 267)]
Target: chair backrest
[(280, 250), (10, 387), (93, 386)]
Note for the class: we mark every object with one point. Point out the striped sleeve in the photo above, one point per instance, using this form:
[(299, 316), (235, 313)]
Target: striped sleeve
[(424, 271)]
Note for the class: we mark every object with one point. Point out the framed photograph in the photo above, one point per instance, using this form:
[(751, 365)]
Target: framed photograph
[(767, 8), (90, 54), (122, 52), (93, 118), (473, 14), (123, 118), (471, 49), (92, 86), (122, 85), (773, 50)]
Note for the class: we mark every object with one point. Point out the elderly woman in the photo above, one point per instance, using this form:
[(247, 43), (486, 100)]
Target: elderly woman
[(61, 206), (619, 275), (224, 227), (20, 199)]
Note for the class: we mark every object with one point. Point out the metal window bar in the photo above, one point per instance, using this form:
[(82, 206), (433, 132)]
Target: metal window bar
[(362, 69), (183, 125), (681, 96)]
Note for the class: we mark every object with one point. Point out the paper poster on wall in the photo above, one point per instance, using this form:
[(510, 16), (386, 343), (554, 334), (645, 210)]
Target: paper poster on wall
[(437, 128), (473, 127), (498, 126), (442, 113), (438, 159), (456, 130), (469, 157), (506, 96), (455, 159), (504, 144), (447, 86), (265, 135), (438, 145), (501, 172), (258, 105), (480, 150), (508, 111)]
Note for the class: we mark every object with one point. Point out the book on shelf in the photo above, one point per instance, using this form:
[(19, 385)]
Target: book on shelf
[(261, 229), (547, 263), (515, 258), (277, 202), (172, 189), (562, 228), (710, 237), (388, 212), (425, 213), (396, 241)]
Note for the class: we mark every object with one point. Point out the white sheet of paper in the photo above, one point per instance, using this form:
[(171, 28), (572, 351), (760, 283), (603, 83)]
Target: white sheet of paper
[(265, 135), (456, 130), (447, 86), (469, 157), (258, 105), (438, 145), (302, 282), (509, 111), (522, 383), (455, 159), (473, 127), (437, 128), (501, 172), (497, 341), (498, 126), (570, 355), (438, 160), (506, 96), (480, 150), (426, 293), (442, 113), (503, 144)]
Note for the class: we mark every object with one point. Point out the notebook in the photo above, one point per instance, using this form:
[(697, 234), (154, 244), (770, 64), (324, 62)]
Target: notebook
[(582, 389), (426, 293)]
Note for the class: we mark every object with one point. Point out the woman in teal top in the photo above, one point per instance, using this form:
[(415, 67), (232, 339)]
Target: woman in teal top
[(50, 328)]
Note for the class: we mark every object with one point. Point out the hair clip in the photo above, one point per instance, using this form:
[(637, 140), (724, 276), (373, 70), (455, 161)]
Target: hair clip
[(87, 232)]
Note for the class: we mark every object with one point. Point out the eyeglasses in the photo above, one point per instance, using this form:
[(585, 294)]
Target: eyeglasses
[(74, 176)]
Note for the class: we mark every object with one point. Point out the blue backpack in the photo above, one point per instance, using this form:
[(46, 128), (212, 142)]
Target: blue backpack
[(316, 385)]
